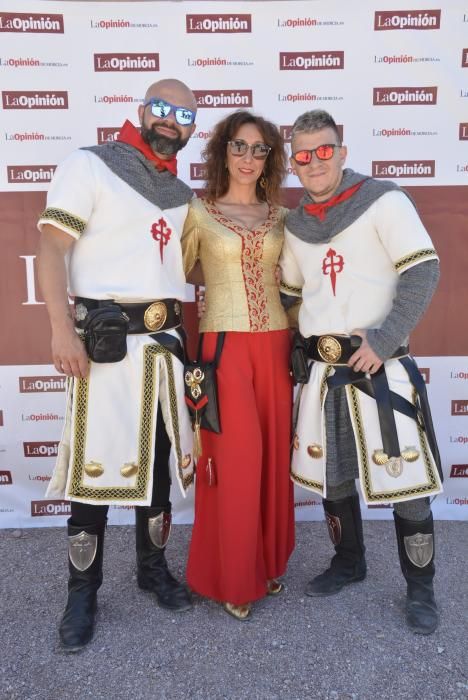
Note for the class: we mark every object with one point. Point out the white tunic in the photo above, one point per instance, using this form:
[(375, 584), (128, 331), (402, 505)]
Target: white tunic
[(115, 255), (107, 450), (349, 284)]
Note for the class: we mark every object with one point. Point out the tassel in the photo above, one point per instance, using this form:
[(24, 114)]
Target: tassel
[(210, 472), (197, 443)]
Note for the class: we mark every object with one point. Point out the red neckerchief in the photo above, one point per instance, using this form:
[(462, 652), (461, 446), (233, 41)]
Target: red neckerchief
[(129, 134), (320, 209)]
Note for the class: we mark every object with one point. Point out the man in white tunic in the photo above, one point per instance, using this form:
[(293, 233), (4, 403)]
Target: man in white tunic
[(110, 238), (358, 255)]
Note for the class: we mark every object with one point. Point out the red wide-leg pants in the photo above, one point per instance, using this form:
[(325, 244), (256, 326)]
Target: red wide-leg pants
[(243, 532)]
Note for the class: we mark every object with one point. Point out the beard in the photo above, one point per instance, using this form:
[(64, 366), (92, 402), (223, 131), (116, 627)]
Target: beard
[(164, 145)]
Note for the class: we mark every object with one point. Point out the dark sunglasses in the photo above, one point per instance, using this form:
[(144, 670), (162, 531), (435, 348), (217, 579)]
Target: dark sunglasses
[(161, 109), (324, 152), (239, 147)]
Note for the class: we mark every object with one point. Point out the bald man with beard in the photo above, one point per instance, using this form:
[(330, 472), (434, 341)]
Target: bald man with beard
[(110, 240)]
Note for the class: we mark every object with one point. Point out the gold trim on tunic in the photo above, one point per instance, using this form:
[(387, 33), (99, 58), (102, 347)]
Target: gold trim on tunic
[(78, 489), (306, 482), (375, 497), (64, 218), (417, 256), (289, 289)]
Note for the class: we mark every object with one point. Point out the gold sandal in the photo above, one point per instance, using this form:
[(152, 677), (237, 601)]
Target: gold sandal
[(274, 587), (240, 612)]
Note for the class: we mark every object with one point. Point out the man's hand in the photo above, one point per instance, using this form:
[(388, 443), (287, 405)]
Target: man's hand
[(364, 359), (68, 352)]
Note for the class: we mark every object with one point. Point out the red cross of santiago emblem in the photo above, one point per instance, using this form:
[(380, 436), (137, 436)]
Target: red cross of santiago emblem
[(161, 233), (332, 265)]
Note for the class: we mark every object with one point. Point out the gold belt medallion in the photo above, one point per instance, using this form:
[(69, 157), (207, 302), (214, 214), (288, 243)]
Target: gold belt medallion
[(329, 349), (155, 316)]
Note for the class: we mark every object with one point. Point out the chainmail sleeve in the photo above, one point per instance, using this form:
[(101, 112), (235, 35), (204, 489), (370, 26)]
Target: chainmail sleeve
[(414, 292)]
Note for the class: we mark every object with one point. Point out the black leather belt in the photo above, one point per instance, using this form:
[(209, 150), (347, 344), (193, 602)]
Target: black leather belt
[(337, 349), (376, 386), (149, 317)]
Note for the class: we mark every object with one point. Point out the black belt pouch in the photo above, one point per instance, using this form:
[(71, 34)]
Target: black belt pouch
[(300, 366), (105, 334)]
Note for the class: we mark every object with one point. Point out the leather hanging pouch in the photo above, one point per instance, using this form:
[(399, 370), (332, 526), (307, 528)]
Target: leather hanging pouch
[(201, 393)]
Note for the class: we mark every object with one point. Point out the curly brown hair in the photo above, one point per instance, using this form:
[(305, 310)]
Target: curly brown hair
[(214, 154)]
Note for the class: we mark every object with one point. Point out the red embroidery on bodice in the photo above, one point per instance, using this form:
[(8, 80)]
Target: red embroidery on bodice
[(251, 262)]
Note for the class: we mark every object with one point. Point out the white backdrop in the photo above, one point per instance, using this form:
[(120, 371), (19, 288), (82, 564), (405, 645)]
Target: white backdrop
[(72, 72)]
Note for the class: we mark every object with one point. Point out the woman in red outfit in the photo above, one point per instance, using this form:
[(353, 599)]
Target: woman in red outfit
[(243, 533)]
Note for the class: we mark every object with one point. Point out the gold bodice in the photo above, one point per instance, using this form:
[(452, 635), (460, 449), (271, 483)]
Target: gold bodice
[(238, 266)]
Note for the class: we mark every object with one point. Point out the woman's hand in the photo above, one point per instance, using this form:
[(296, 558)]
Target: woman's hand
[(278, 275), (201, 306)]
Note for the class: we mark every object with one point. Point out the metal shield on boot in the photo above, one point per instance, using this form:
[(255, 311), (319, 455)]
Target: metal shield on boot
[(334, 528), (82, 549), (419, 549), (159, 529)]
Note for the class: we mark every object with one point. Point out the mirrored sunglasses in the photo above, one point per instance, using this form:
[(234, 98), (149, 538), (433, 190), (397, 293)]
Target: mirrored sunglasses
[(239, 147), (161, 109), (324, 152)]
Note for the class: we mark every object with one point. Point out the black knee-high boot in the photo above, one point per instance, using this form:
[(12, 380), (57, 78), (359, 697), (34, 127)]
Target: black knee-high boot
[(345, 530), (152, 532), (416, 550), (85, 550)]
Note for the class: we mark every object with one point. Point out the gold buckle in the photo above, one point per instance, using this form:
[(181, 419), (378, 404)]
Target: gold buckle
[(329, 349), (155, 316)]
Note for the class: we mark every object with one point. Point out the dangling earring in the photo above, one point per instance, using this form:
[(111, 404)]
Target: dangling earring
[(262, 182)]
